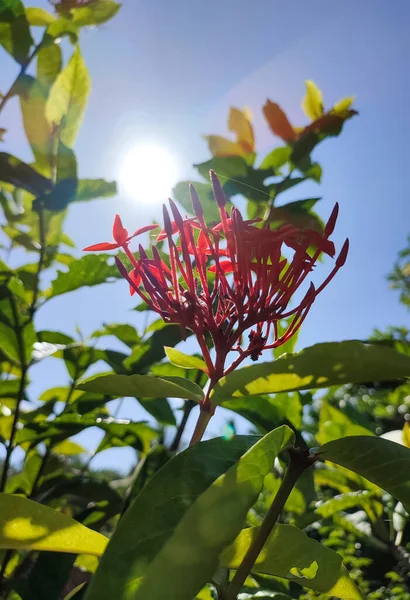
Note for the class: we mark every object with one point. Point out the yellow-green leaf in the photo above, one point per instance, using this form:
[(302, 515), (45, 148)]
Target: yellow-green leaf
[(291, 554), (38, 17), (312, 103), (342, 106), (28, 525), (68, 448), (68, 98), (185, 361)]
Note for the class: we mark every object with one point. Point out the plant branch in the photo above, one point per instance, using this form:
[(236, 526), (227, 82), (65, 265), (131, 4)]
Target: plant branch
[(22, 72), (42, 236), (189, 405), (20, 393), (299, 461)]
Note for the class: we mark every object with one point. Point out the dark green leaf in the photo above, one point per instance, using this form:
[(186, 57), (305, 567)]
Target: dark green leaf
[(321, 365), (15, 34), (226, 167), (144, 386), (18, 173), (124, 332), (204, 190), (90, 189), (382, 462), (189, 511), (268, 412), (160, 409)]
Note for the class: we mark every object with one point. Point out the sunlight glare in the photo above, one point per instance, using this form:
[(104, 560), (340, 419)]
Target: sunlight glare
[(148, 173)]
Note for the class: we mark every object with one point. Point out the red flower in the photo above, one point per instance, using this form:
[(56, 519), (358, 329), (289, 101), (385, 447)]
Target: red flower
[(231, 281), (120, 235)]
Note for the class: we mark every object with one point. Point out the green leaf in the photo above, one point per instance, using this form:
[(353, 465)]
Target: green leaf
[(268, 412), (334, 424), (144, 386), (291, 554), (337, 504), (321, 365), (95, 14), (185, 361), (18, 173), (164, 334), (90, 189), (298, 214), (36, 126), (225, 167), (313, 103), (127, 334), (15, 36), (38, 17), (382, 462), (68, 448), (89, 270), (204, 190), (160, 409), (68, 98), (191, 509), (49, 63), (28, 525), (277, 158)]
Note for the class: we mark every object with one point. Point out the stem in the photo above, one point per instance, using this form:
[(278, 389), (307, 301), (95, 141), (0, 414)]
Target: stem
[(40, 471), (20, 394), (201, 425), (299, 461), (42, 236), (22, 72), (189, 405)]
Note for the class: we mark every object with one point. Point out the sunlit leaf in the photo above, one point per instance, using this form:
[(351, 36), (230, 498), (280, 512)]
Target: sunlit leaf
[(183, 522), (95, 13), (318, 366), (38, 17), (49, 62), (185, 361), (68, 448), (36, 126), (28, 525), (89, 270), (278, 122), (334, 424), (289, 552), (312, 103), (68, 98)]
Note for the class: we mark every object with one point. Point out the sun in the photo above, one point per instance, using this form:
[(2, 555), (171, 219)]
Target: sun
[(147, 173)]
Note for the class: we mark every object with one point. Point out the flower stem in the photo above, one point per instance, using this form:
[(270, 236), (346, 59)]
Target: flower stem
[(201, 425), (299, 461)]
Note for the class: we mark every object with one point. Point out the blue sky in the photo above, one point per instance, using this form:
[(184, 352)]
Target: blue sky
[(168, 71)]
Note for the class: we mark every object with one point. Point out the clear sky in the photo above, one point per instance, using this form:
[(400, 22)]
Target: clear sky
[(167, 72)]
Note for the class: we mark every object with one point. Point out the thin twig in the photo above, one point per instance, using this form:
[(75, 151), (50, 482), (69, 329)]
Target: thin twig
[(299, 461), (42, 236), (189, 405), (22, 72)]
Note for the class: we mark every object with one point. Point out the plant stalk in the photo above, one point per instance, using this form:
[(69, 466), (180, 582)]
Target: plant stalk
[(189, 405), (299, 461)]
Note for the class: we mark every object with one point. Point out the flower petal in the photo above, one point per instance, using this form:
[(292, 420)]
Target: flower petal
[(101, 246), (119, 233)]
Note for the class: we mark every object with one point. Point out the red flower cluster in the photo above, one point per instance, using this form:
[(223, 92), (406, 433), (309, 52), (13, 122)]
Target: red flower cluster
[(229, 280)]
